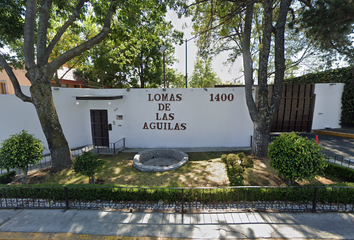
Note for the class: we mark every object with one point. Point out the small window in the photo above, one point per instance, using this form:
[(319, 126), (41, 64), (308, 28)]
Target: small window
[(119, 117), (64, 85), (2, 88)]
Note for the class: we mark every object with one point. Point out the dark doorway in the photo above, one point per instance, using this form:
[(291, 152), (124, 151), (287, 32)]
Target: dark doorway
[(99, 128)]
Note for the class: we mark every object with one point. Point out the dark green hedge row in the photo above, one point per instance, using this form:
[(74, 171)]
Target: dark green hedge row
[(7, 177), (347, 117), (297, 194), (343, 173), (340, 75)]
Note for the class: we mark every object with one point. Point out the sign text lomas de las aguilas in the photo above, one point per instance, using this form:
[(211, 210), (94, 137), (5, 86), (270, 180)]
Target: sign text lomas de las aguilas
[(164, 116)]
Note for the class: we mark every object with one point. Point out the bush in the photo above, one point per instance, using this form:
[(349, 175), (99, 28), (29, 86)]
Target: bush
[(295, 157), (19, 151), (347, 117), (247, 162), (235, 167), (87, 164), (7, 177), (232, 159), (224, 158), (343, 173)]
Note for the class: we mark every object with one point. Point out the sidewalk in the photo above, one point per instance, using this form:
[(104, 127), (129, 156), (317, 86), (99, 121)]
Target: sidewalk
[(92, 224)]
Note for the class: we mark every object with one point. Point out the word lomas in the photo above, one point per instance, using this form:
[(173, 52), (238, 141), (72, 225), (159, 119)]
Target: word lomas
[(164, 115)]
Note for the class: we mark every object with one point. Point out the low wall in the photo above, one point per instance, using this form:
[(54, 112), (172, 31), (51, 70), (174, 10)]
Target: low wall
[(154, 118)]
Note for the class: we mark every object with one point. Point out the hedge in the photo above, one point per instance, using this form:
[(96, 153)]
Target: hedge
[(7, 177), (244, 194), (343, 173)]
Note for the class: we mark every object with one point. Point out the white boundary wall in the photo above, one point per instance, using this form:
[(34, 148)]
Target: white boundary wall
[(201, 122)]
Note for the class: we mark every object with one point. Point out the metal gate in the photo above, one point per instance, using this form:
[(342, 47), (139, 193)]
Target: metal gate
[(296, 108), (99, 128)]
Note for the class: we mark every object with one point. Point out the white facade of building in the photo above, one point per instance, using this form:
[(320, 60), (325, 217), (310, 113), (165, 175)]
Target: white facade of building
[(153, 118)]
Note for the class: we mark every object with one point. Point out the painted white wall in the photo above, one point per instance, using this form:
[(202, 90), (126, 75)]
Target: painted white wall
[(328, 105), (207, 123)]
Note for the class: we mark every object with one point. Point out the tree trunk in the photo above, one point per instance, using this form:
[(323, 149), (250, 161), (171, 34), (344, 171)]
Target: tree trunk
[(92, 180), (24, 178), (260, 140), (43, 101)]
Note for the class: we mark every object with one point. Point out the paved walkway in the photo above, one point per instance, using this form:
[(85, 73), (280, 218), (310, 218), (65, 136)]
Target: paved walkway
[(92, 224)]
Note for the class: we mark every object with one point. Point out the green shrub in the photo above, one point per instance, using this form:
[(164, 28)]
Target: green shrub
[(87, 164), (224, 158), (347, 117), (241, 155), (7, 177), (343, 173), (232, 159), (19, 151), (295, 157), (247, 162)]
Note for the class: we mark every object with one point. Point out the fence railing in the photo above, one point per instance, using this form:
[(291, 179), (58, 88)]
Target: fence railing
[(46, 161), (297, 199), (339, 160), (112, 148)]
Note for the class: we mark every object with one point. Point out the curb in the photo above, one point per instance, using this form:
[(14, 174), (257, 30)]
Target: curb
[(336, 134)]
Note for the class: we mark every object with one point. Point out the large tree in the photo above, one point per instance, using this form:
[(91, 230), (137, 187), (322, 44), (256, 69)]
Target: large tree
[(38, 47), (255, 30)]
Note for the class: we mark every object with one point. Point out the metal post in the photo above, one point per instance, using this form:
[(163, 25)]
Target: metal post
[(314, 204), (186, 64), (164, 76), (66, 197), (182, 201)]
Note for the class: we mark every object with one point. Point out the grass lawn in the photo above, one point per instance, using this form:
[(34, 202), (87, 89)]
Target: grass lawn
[(204, 169)]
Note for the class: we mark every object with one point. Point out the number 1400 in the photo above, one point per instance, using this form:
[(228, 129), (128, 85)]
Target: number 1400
[(221, 97)]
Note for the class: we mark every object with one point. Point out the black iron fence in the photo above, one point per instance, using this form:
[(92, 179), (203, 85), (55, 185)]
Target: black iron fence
[(112, 148), (297, 199), (339, 160)]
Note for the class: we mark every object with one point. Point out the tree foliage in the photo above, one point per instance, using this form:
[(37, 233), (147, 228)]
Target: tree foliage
[(329, 25), (295, 157), (130, 56), (203, 75), (56, 32), (87, 164), (19, 151)]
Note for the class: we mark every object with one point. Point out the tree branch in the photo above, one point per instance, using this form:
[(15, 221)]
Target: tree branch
[(62, 30), (30, 21), (14, 81), (59, 61), (44, 13), (307, 3)]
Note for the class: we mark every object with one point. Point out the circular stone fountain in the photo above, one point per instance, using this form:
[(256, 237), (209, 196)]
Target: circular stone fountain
[(159, 160)]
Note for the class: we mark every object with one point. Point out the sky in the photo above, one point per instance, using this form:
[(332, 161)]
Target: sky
[(222, 71)]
